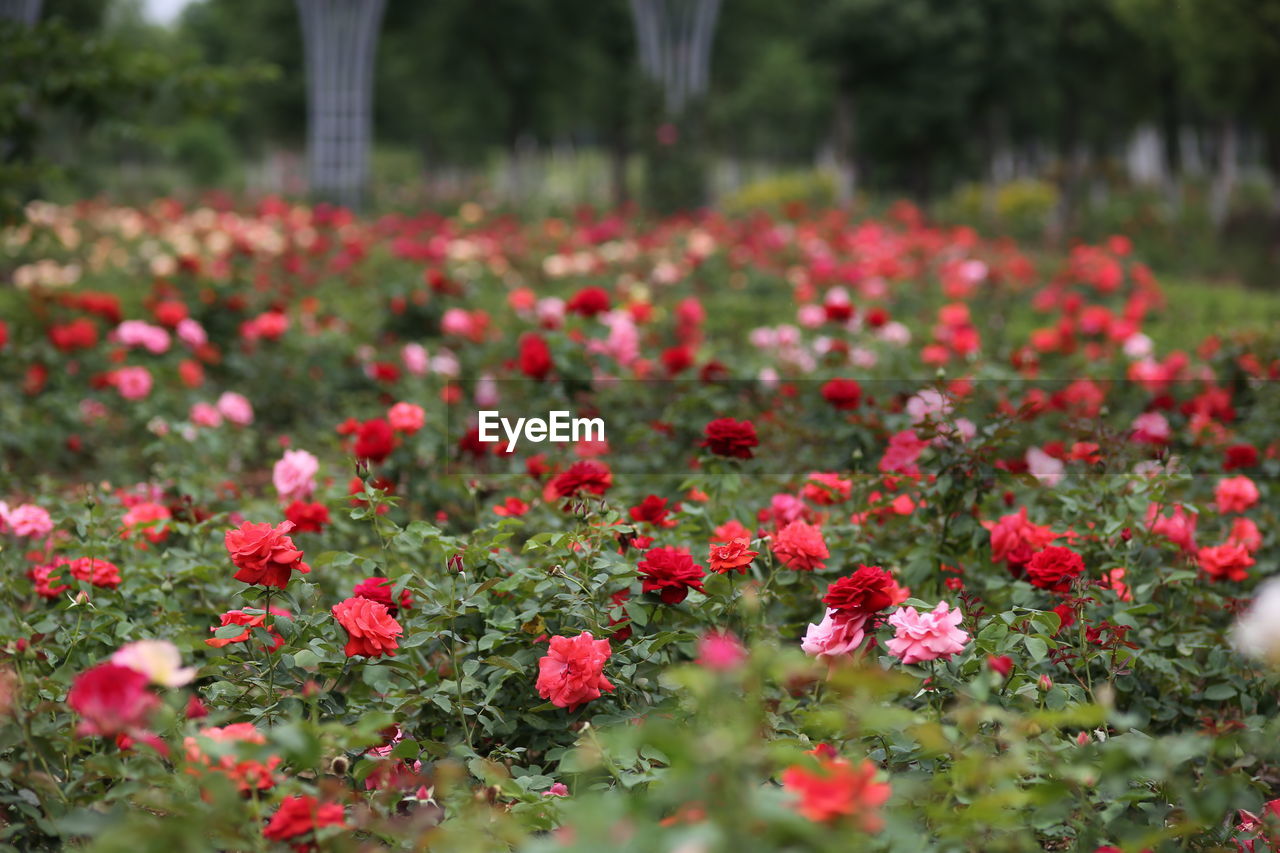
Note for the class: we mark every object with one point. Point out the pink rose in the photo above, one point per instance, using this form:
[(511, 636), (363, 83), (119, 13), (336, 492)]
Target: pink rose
[(406, 418), (294, 474), (192, 333), (136, 333), (133, 383), (205, 415), (837, 634), (415, 359), (30, 520), (235, 408), (926, 636)]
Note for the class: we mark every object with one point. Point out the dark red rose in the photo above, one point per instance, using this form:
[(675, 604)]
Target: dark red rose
[(671, 573), (842, 393), (1240, 456), (587, 476), (868, 590), (535, 356), (375, 440), (1054, 568), (653, 510), (727, 437), (588, 302)]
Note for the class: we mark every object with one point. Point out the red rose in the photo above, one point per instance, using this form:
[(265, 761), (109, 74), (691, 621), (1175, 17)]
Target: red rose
[(868, 590), (370, 629), (727, 437), (300, 816), (572, 672), (249, 621), (586, 476), (671, 572), (1054, 568), (800, 546), (95, 571), (379, 590), (588, 302), (653, 510), (842, 393), (264, 554), (733, 556), (1225, 562), (535, 356), (111, 700), (307, 517), (838, 790), (374, 440)]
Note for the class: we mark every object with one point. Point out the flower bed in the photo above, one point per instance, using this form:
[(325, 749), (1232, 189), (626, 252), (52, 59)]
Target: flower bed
[(891, 538)]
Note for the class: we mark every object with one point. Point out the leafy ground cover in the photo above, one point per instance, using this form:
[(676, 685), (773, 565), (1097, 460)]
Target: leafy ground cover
[(897, 538)]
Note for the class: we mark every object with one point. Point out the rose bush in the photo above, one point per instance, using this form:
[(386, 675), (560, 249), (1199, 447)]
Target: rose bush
[(896, 538)]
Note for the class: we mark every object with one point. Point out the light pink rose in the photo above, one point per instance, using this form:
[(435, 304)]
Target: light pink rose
[(456, 321), (158, 660), (834, 636), (30, 520), (192, 333), (1044, 467), (415, 359), (136, 333), (235, 408), (294, 474), (406, 418), (1151, 428), (811, 316), (926, 636), (133, 383), (205, 415)]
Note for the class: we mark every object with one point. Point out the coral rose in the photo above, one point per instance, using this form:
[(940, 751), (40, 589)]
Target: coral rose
[(838, 790), (264, 554), (370, 629), (800, 546), (572, 671), (733, 556)]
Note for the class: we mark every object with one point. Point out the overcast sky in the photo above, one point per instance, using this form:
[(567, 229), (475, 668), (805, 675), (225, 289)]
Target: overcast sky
[(164, 10)]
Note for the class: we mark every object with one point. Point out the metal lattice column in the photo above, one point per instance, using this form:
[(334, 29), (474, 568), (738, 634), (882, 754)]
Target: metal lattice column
[(340, 39), (675, 46), (26, 11)]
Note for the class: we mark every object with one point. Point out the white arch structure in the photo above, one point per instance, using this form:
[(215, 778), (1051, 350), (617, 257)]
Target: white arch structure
[(340, 38), (675, 39)]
